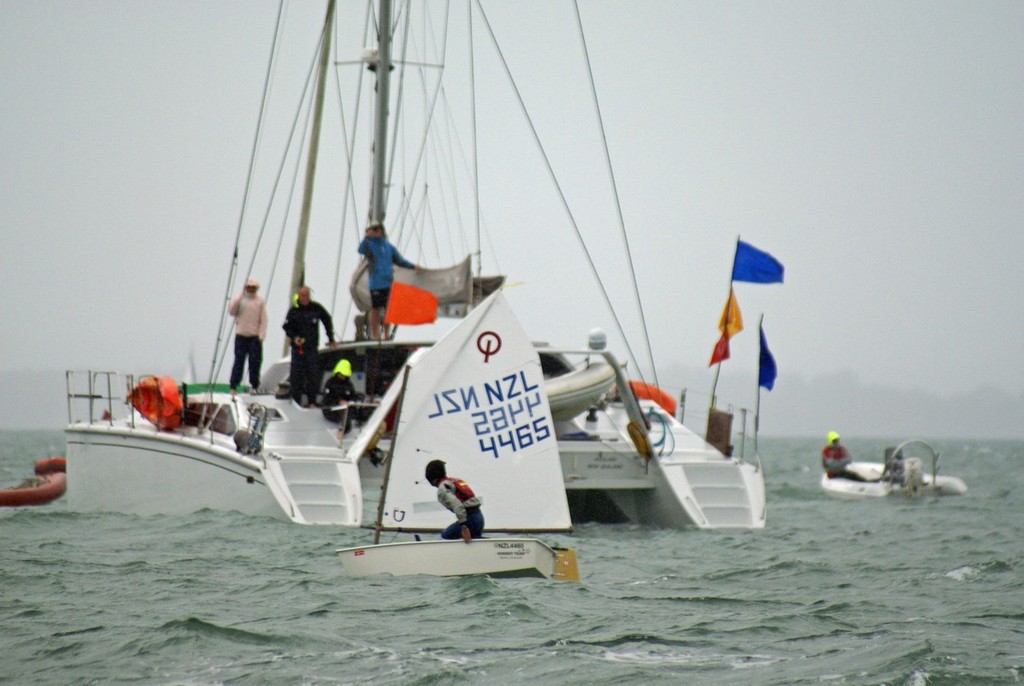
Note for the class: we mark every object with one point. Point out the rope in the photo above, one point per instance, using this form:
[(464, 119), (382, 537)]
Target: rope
[(662, 443)]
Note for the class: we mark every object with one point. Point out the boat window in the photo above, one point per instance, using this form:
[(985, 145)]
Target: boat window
[(216, 417), (554, 365)]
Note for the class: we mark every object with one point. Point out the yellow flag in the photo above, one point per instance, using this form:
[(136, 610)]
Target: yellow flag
[(732, 321)]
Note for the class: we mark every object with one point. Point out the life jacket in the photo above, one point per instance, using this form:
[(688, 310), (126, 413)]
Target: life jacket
[(834, 459), (462, 490), (831, 452)]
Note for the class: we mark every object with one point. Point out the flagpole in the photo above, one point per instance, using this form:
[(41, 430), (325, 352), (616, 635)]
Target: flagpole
[(757, 402), (728, 304)]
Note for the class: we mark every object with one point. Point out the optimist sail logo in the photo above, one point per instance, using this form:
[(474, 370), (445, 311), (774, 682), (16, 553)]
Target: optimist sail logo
[(488, 343)]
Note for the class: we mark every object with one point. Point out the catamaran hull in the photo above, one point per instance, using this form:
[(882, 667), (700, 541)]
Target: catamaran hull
[(688, 483), (146, 472), (503, 557), (143, 472)]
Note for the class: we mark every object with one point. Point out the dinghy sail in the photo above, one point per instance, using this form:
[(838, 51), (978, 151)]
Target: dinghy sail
[(476, 400)]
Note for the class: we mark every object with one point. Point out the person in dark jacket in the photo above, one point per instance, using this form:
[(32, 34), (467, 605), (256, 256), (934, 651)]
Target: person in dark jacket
[(302, 326), (339, 391), (457, 496)]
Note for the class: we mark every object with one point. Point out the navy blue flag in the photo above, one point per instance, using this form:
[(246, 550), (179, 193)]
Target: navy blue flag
[(767, 373), (755, 266)]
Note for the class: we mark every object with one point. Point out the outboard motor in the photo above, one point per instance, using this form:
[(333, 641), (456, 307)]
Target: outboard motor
[(913, 476)]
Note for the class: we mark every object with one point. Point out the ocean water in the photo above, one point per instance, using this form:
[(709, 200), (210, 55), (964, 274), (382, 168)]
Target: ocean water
[(831, 592)]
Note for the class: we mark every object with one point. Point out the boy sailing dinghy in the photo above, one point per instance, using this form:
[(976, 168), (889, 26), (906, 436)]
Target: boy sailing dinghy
[(476, 400)]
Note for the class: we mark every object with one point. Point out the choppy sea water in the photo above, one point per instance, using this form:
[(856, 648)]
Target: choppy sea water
[(834, 592)]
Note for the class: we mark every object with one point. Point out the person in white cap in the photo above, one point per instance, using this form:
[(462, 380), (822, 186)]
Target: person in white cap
[(250, 313)]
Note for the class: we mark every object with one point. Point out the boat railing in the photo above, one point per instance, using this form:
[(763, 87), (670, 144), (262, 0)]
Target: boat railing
[(898, 453), (642, 441), (98, 398)]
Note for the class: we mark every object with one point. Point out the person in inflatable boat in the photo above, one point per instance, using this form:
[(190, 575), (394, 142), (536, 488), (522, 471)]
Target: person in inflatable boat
[(835, 459)]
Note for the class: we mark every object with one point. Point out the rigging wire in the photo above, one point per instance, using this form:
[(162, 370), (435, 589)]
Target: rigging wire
[(558, 187), (400, 237), (221, 328), (279, 177), (476, 148), (223, 342), (615, 194), (348, 141), (404, 12)]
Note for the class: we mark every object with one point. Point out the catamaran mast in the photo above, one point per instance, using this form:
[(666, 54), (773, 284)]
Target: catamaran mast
[(299, 263), (380, 126)]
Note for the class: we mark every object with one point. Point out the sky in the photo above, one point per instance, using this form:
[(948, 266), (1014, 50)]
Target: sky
[(874, 148)]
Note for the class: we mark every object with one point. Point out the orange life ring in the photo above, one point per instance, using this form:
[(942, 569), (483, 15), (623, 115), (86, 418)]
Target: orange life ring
[(38, 490), (51, 465), (649, 392)]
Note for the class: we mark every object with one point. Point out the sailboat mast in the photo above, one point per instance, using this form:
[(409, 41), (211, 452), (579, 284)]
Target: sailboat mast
[(299, 263), (380, 125)]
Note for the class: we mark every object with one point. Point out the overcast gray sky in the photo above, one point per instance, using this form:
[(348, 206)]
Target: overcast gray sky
[(875, 148)]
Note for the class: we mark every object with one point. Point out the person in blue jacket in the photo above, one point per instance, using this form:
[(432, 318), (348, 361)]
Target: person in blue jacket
[(382, 257)]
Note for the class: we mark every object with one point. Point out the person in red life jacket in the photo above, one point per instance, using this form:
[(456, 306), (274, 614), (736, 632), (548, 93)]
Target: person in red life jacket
[(457, 496), (835, 458)]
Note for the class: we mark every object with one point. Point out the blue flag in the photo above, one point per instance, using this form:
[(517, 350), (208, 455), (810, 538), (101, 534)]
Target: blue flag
[(767, 373), (755, 266)]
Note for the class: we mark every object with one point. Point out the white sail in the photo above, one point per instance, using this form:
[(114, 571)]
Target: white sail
[(476, 400)]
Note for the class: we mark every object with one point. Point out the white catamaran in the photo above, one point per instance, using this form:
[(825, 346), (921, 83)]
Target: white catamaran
[(623, 456)]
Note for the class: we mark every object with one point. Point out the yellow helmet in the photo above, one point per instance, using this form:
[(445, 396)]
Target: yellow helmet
[(833, 437), (344, 367)]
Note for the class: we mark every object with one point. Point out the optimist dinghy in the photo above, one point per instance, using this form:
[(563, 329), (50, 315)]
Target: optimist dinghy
[(475, 399)]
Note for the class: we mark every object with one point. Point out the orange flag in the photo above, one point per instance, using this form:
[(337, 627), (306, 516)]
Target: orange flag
[(730, 324), (410, 305)]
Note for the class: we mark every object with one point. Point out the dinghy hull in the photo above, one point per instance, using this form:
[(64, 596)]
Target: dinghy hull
[(500, 557)]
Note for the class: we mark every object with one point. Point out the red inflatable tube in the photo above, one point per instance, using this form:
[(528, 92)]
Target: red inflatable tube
[(51, 465), (38, 490)]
